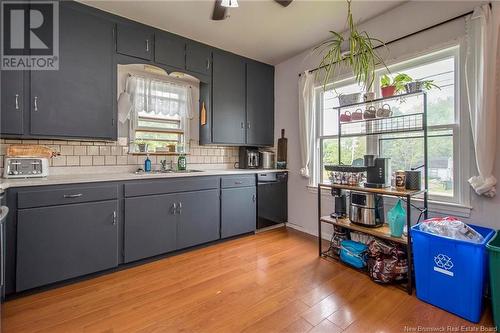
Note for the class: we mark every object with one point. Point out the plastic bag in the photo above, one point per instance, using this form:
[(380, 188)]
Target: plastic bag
[(353, 253), (397, 219), (386, 262), (451, 227)]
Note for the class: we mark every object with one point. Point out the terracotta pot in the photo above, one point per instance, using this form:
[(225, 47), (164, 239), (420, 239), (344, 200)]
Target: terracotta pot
[(388, 91)]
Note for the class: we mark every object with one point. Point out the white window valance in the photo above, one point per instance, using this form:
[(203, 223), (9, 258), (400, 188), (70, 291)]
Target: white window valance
[(159, 98)]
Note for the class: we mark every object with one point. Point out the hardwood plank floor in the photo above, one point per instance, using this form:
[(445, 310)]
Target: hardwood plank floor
[(269, 282)]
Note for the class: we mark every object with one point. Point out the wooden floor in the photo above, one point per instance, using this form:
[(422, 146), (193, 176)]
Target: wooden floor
[(269, 282)]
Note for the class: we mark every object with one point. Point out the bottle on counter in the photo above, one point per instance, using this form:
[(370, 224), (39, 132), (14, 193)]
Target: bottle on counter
[(147, 164), (182, 162)]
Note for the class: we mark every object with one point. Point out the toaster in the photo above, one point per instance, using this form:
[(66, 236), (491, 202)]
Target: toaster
[(25, 167)]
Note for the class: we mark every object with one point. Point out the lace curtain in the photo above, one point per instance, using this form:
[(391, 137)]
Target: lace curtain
[(161, 98)]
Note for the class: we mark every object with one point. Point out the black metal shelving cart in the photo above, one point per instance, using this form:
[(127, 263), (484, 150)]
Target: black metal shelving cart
[(405, 123)]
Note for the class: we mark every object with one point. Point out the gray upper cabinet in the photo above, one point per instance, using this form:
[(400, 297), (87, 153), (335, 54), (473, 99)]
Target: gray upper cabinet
[(170, 50), (61, 242), (78, 99), (150, 226), (260, 104), (228, 99), (198, 218), (239, 211), (198, 58), (12, 107), (134, 40)]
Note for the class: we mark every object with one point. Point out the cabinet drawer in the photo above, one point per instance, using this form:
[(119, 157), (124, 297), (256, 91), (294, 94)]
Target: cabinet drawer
[(238, 181), (50, 196), (165, 186)]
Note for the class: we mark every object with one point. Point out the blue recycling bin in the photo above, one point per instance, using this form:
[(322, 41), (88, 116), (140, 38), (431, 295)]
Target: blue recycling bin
[(451, 274)]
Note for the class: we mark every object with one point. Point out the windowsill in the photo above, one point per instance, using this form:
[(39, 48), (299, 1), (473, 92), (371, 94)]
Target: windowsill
[(439, 207)]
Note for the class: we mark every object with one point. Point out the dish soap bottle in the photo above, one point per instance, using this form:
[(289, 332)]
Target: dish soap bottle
[(181, 162), (147, 164)]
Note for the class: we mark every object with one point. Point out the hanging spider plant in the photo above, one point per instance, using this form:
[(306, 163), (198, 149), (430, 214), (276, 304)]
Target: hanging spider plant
[(360, 55)]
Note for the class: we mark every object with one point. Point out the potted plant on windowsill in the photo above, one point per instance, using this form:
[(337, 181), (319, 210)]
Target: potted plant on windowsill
[(391, 87), (420, 85), (355, 50)]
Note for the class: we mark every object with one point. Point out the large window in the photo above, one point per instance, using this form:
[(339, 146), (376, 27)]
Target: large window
[(405, 149)]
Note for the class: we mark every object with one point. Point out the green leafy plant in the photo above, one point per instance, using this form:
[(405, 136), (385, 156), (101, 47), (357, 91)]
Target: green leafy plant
[(429, 84), (399, 81), (360, 56)]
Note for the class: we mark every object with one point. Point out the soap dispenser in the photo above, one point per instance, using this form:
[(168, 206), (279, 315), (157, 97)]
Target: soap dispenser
[(147, 164)]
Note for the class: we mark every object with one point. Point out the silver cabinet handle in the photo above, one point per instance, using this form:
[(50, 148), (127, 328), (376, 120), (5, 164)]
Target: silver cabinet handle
[(17, 101), (208, 63), (147, 45), (180, 208), (36, 103), (253, 197), (72, 196), (114, 217), (248, 124), (238, 182), (173, 210), (242, 125)]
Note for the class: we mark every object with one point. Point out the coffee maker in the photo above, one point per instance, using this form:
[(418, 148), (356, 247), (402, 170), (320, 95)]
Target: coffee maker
[(378, 171), (248, 158), (340, 199)]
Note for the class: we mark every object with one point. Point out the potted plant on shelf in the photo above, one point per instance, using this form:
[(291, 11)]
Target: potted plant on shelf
[(419, 85), (391, 87), (355, 51)]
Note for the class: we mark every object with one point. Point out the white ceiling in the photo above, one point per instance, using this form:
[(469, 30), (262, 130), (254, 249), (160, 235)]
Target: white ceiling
[(258, 29)]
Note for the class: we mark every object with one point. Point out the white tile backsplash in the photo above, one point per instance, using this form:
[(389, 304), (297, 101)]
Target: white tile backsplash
[(80, 155)]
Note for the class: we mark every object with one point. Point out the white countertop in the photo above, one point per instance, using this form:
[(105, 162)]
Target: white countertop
[(120, 176)]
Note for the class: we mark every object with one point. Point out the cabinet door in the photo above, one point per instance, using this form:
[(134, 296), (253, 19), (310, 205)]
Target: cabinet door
[(170, 50), (198, 218), (228, 103), (150, 226), (135, 41), (260, 104), (12, 102), (198, 58), (77, 99), (61, 242), (239, 211)]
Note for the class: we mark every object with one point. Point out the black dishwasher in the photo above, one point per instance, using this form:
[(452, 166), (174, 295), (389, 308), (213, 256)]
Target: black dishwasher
[(272, 198)]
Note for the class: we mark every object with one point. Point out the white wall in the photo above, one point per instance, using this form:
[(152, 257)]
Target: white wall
[(402, 20)]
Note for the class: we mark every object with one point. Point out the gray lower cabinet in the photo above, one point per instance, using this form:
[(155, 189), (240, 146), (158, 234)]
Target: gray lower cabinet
[(150, 226), (157, 224), (61, 242), (238, 211), (198, 218)]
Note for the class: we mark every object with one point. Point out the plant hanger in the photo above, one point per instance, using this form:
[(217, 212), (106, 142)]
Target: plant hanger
[(360, 56)]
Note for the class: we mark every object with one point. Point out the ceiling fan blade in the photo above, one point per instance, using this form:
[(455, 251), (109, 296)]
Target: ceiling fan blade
[(219, 12), (284, 3)]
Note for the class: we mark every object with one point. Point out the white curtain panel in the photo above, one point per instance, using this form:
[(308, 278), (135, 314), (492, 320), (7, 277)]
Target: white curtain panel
[(307, 122), (480, 71)]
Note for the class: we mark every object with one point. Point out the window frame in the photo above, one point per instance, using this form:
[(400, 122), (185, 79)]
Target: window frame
[(459, 130), (183, 124)]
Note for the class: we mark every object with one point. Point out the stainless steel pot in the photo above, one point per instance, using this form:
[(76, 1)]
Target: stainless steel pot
[(366, 209), (267, 159)]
